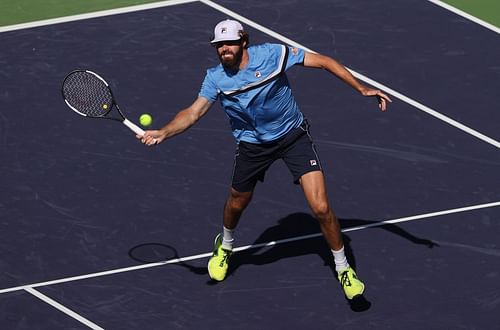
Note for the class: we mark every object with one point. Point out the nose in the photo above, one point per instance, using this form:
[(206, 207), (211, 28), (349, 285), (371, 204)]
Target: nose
[(224, 50)]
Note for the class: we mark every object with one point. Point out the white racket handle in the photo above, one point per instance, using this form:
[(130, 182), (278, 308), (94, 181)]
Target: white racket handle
[(137, 130)]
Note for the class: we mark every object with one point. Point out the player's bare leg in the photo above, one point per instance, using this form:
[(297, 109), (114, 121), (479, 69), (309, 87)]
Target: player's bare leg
[(234, 207), (313, 184)]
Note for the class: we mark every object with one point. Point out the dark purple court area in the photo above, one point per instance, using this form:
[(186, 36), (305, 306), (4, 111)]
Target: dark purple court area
[(81, 196)]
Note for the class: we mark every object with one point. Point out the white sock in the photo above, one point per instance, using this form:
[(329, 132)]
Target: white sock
[(340, 260), (227, 238)]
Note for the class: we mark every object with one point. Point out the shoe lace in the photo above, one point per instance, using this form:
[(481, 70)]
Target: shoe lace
[(225, 257), (344, 279)]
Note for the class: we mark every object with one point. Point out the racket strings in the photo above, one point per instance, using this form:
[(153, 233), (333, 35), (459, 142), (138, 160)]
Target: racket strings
[(87, 94)]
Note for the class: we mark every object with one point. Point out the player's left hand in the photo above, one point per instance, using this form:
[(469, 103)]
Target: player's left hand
[(381, 97)]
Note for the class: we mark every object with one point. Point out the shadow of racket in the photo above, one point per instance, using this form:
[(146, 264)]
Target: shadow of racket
[(158, 252)]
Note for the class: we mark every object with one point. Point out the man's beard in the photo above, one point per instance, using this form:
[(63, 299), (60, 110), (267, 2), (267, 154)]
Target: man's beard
[(233, 63)]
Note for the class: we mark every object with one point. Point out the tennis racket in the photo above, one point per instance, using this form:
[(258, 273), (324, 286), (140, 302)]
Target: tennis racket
[(89, 95)]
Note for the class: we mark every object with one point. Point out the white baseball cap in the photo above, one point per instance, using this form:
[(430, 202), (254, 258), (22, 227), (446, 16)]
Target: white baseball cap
[(227, 30)]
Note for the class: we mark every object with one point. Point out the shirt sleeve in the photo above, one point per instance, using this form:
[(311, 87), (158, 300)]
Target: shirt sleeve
[(295, 56), (209, 89)]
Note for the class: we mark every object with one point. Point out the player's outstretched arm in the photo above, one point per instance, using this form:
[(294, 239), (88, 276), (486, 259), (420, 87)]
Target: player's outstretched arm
[(312, 60), (181, 122)]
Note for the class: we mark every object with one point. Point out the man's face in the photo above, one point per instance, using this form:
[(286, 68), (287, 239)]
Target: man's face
[(230, 53)]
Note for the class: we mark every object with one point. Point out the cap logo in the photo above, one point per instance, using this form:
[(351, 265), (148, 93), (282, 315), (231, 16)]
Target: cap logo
[(223, 30)]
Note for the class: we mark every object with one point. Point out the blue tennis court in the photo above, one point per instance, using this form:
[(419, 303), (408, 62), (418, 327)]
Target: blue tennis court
[(90, 217)]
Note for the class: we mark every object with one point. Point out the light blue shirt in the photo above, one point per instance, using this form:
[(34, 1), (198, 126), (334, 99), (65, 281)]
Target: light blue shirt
[(257, 99)]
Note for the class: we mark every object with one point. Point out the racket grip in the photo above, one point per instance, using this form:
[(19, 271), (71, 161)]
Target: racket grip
[(137, 130)]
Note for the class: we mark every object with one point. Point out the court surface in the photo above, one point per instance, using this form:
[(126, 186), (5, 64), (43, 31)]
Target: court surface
[(89, 216)]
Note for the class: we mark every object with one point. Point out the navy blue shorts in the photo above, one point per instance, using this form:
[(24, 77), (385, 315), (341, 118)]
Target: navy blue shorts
[(296, 149)]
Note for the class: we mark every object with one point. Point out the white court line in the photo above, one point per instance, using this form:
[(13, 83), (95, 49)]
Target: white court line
[(95, 14), (63, 309), (375, 224), (372, 82), (247, 247), (104, 273), (466, 15)]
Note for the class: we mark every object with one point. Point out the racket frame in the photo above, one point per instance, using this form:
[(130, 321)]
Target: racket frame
[(136, 129)]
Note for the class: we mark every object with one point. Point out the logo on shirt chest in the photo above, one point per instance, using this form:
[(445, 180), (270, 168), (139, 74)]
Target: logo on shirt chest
[(258, 74)]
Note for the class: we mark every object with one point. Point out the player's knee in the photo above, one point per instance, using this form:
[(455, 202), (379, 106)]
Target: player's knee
[(238, 201), (321, 210)]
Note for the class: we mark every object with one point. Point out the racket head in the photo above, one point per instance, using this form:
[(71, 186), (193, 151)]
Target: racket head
[(87, 93)]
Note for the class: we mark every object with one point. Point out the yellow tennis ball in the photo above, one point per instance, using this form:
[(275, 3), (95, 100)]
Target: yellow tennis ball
[(145, 119), (105, 106)]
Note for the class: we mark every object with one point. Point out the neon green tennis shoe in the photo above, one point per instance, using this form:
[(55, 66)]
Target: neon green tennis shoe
[(352, 286), (219, 262)]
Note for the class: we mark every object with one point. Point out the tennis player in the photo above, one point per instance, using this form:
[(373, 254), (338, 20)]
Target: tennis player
[(266, 122)]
